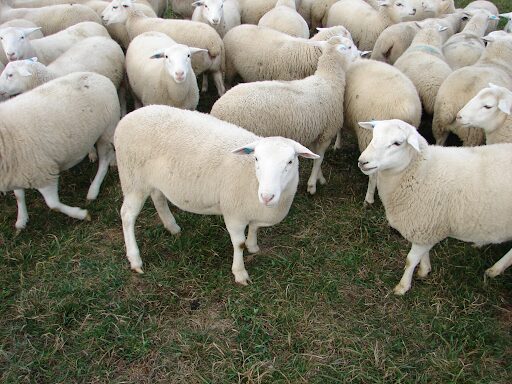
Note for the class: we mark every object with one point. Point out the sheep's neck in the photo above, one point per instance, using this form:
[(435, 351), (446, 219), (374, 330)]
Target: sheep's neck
[(477, 25), (502, 134), (332, 66)]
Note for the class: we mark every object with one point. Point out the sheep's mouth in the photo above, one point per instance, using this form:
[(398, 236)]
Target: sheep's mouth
[(367, 170), (412, 13)]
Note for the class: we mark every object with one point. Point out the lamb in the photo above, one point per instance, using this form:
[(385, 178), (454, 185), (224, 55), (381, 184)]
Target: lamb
[(396, 38), (108, 60), (307, 111), (252, 11), (222, 15), (51, 19), (466, 47), (428, 201), (376, 91), (193, 159), (185, 32), (488, 6), (18, 47), (259, 53), (366, 23), (286, 19), (424, 63), (494, 66), (490, 110), (508, 16), (170, 81), (53, 128)]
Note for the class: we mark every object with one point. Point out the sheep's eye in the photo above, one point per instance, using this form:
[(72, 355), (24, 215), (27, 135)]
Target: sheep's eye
[(188, 55), (256, 159), (125, 6), (399, 5), (206, 6), (22, 37), (290, 162), (9, 75), (397, 143), (115, 7), (487, 106), (166, 56)]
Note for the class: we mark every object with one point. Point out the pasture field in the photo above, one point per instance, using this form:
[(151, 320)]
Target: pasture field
[(320, 308)]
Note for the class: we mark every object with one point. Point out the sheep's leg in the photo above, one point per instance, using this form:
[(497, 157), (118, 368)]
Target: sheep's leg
[(414, 257), (132, 204), (321, 178), (370, 191), (442, 137), (500, 266), (252, 239), (51, 197), (160, 202), (121, 93), (22, 219), (425, 266), (204, 85), (105, 155), (93, 155), (320, 149), (236, 231), (337, 143), (219, 82)]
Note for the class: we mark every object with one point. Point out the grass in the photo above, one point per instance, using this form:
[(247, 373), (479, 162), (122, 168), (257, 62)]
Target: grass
[(320, 309)]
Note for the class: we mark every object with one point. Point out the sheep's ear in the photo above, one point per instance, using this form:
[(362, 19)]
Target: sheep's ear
[(493, 17), (197, 3), (197, 50), (301, 150), (364, 53), (28, 31), (367, 125), (23, 72), (505, 104), (246, 149), (442, 28), (158, 55), (319, 29), (32, 59), (413, 140), (488, 39)]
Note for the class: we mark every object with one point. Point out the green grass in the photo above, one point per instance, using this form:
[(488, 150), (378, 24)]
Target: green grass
[(320, 309)]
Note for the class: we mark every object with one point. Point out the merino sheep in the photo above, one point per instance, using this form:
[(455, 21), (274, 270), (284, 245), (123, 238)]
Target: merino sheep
[(466, 47), (494, 66), (396, 38), (286, 19), (424, 63), (193, 159), (185, 32), (259, 53), (222, 15), (488, 6), (308, 111), (51, 19), (431, 193), (377, 91), (17, 46), (170, 81), (490, 110), (366, 23), (51, 129)]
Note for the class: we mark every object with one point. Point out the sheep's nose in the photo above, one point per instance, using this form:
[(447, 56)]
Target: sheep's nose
[(361, 163), (459, 117), (267, 197), (179, 74), (215, 21), (413, 11)]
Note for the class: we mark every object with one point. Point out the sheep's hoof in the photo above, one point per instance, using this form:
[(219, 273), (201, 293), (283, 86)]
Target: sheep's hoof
[(367, 204), (242, 278), (175, 230), (491, 272), (400, 290), (312, 189), (138, 270), (422, 274), (87, 217), (254, 249)]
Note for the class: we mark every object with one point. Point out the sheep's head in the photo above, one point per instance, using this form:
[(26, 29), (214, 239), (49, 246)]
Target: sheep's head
[(488, 109), (277, 165), (15, 78), (211, 10), (398, 10), (15, 42), (393, 145), (177, 60), (116, 11)]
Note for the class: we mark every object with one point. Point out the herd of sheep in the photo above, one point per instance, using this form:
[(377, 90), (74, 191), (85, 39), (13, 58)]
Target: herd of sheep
[(372, 67)]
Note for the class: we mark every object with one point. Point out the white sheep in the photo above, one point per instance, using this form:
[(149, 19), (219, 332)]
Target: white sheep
[(488, 6), (51, 19), (19, 23), (286, 19), (366, 23), (466, 47), (424, 63), (252, 11), (17, 46), (508, 16), (193, 159), (375, 91), (51, 129), (160, 72), (259, 53), (222, 15), (396, 38), (490, 110), (431, 193), (494, 66), (444, 7), (308, 111), (185, 32)]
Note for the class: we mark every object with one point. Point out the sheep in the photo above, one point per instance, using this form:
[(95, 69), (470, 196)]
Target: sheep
[(19, 23), (431, 193), (444, 7), (170, 81), (286, 19), (108, 60), (488, 6), (158, 6), (17, 46), (490, 110), (252, 11), (307, 111), (396, 38), (185, 32), (259, 53), (494, 66), (374, 91), (51, 129), (193, 159), (366, 23), (424, 63), (222, 15), (466, 47), (51, 19), (508, 16)]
